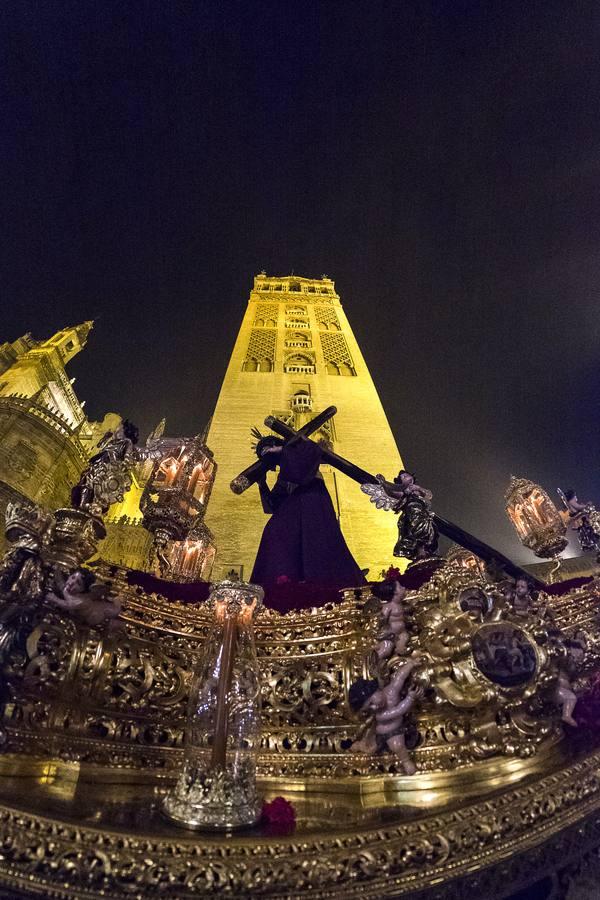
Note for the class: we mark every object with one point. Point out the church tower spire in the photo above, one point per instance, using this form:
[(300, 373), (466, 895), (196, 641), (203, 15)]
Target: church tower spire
[(69, 341), (36, 369), (295, 354)]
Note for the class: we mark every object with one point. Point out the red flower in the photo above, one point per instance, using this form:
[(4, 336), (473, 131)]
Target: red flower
[(393, 574), (279, 816)]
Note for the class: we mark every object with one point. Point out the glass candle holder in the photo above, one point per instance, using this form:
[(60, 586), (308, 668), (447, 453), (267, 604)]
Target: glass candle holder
[(216, 788)]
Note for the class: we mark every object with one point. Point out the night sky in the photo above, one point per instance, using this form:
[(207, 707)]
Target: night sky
[(439, 161)]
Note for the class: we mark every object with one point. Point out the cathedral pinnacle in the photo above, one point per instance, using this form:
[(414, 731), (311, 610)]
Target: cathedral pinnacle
[(83, 330)]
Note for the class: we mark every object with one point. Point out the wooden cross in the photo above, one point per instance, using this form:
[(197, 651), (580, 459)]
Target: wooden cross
[(260, 468)]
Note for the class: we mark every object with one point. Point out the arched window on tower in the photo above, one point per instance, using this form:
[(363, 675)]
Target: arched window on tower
[(251, 365), (300, 363), (302, 401), (297, 339)]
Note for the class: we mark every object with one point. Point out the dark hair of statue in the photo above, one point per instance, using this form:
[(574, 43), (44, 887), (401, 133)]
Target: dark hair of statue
[(574, 644), (384, 590), (266, 442), (361, 691), (526, 580), (131, 431), (404, 472), (569, 493)]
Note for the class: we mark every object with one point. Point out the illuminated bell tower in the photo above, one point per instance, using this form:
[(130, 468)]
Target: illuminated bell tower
[(295, 354)]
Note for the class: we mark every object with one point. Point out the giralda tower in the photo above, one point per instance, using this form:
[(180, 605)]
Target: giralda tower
[(295, 354)]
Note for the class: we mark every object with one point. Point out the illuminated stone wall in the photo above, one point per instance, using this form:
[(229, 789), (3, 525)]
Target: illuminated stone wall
[(44, 433), (294, 355), (40, 456), (126, 544), (45, 436), (46, 441)]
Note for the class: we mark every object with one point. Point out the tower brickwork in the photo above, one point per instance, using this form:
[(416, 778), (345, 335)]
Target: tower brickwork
[(295, 354)]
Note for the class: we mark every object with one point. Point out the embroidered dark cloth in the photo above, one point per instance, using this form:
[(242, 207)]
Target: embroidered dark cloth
[(302, 540), (290, 596)]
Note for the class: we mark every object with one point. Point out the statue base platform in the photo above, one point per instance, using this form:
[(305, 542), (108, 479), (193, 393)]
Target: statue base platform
[(499, 801), (78, 830)]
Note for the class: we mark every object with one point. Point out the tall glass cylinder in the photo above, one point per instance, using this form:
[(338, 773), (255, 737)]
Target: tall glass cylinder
[(217, 785)]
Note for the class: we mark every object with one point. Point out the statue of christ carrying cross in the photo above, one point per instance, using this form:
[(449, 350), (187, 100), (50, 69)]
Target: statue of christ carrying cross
[(302, 541)]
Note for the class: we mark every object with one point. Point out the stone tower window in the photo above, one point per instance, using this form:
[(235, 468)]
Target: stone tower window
[(297, 339), (300, 362), (266, 315), (337, 356), (302, 401), (327, 319), (260, 356)]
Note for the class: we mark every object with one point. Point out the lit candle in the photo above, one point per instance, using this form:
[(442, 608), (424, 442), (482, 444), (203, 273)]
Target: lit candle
[(194, 479), (168, 473), (179, 467)]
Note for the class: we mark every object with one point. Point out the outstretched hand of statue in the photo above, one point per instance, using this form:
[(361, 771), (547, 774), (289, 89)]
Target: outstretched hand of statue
[(416, 693), (584, 518)]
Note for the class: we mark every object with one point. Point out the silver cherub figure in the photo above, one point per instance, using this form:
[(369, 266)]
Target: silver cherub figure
[(387, 708), (417, 532)]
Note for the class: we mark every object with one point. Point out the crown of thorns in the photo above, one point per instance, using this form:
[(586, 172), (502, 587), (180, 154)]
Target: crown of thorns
[(264, 440)]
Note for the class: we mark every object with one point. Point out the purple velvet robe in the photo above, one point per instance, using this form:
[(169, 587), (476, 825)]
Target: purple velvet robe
[(302, 540)]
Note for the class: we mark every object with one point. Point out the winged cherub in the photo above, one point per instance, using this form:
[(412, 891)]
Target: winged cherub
[(387, 706), (417, 533), (84, 599)]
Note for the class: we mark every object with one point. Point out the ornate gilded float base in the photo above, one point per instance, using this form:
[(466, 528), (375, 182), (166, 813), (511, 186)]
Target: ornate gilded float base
[(63, 836), (121, 699)]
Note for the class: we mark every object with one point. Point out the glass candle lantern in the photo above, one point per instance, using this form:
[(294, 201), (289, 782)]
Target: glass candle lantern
[(175, 496), (216, 788), (535, 518)]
